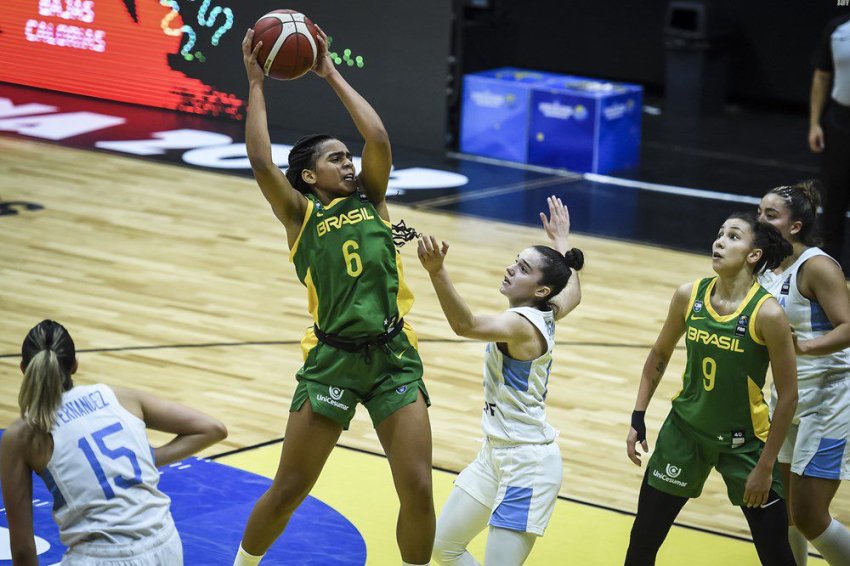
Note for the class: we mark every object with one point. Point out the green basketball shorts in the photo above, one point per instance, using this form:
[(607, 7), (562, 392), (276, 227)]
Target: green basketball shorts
[(682, 461), (384, 380)]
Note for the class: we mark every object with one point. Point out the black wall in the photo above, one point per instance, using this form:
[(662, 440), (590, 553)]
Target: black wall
[(405, 46), (770, 49)]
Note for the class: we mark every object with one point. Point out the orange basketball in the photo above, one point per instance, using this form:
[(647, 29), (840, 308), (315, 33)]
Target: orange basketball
[(289, 46)]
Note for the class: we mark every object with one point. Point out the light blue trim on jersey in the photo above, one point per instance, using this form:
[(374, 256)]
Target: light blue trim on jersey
[(820, 321), (512, 512), (826, 463), (516, 372), (58, 499)]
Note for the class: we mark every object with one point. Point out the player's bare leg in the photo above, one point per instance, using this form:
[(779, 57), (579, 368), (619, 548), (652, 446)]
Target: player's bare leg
[(309, 440), (406, 438)]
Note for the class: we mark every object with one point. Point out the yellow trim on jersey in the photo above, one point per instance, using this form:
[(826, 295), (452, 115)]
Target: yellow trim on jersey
[(411, 335), (336, 201), (688, 311), (307, 214), (741, 307), (312, 297), (753, 335), (404, 297), (758, 411), (692, 300), (679, 392), (308, 342)]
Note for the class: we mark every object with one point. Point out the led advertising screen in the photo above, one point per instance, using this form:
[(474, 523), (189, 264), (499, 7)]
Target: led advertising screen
[(184, 55), (128, 51)]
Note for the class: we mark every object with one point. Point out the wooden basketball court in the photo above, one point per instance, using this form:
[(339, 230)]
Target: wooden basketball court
[(177, 281)]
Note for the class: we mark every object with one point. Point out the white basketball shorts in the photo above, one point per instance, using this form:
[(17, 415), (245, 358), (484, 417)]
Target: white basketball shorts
[(520, 483), (163, 548), (816, 445)]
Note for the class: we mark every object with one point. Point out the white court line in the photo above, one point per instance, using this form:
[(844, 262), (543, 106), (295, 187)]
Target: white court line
[(671, 189), (513, 164), (619, 181), (493, 191), (674, 190)]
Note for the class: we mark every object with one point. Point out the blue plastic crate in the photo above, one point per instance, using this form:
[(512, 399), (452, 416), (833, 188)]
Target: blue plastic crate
[(563, 121)]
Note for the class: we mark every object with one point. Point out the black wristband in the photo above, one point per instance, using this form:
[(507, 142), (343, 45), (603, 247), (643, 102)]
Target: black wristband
[(639, 425)]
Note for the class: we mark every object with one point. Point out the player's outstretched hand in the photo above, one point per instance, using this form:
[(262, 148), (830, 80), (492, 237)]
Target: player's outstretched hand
[(249, 57), (632, 444), (324, 65), (557, 226), (431, 253)]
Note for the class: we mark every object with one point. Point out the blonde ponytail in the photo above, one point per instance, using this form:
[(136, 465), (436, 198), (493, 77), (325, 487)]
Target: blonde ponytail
[(41, 391), (49, 358)]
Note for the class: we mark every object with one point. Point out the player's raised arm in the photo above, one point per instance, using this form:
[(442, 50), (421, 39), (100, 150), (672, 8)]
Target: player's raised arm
[(505, 327), (557, 227), (377, 159), (287, 203)]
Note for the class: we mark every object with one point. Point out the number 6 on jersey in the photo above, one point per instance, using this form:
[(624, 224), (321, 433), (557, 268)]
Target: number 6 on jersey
[(353, 265)]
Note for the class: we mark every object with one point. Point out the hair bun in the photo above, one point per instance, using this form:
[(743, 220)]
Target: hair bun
[(575, 258)]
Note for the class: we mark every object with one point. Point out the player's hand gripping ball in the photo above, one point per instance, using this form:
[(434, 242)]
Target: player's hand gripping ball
[(290, 44)]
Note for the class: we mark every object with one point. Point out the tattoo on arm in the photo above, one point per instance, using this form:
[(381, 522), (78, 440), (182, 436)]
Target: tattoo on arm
[(659, 372)]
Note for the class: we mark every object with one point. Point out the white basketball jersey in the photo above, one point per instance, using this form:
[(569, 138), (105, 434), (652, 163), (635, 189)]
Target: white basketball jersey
[(515, 390), (102, 473), (807, 318)]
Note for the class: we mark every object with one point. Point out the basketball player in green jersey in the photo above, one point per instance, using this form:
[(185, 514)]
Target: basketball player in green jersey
[(359, 349), (733, 329)]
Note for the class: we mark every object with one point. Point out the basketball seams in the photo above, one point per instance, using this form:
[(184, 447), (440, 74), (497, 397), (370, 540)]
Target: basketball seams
[(290, 25), (287, 29), (306, 33)]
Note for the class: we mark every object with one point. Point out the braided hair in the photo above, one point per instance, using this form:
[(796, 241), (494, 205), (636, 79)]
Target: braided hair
[(803, 200), (48, 356), (303, 156)]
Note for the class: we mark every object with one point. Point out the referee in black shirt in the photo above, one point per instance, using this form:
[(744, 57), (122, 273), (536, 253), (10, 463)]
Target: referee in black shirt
[(829, 129)]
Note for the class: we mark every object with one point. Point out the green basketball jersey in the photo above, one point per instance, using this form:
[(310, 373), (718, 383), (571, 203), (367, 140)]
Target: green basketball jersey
[(346, 258), (721, 397)]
